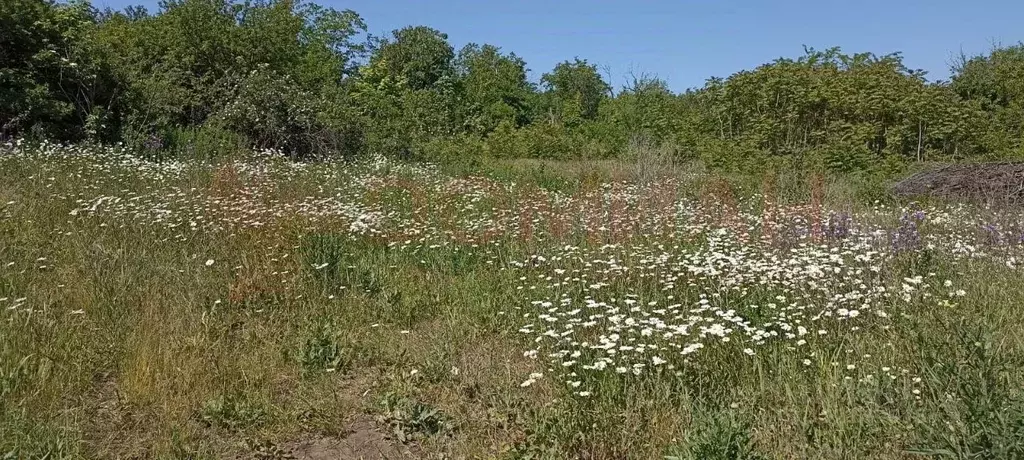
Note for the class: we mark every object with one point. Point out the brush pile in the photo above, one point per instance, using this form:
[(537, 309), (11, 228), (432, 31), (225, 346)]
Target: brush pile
[(988, 183)]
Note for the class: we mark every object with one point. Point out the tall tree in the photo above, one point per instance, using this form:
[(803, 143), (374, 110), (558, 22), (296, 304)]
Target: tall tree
[(417, 56), (409, 92), (576, 88), (644, 107), (996, 83), (53, 83), (496, 86), (265, 69)]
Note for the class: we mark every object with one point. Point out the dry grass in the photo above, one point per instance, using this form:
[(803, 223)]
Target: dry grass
[(306, 327)]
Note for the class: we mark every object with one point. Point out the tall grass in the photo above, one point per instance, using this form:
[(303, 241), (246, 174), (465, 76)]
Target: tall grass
[(129, 332)]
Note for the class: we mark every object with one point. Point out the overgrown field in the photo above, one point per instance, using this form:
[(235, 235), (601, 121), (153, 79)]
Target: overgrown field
[(255, 307)]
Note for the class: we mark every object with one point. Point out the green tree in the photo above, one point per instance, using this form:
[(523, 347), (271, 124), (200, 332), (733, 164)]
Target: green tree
[(53, 83), (576, 90), (853, 109), (495, 86), (176, 66), (645, 107), (419, 57), (996, 83), (408, 93), (199, 61)]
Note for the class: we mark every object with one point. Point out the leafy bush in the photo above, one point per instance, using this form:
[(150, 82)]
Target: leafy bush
[(550, 141), (272, 111), (410, 419), (54, 84), (203, 142), (232, 411), (460, 150), (720, 437), (506, 142), (323, 350)]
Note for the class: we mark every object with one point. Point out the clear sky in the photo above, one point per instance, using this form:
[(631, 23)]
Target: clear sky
[(684, 42)]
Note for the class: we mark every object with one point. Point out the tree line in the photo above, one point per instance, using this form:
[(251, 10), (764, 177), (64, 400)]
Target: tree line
[(207, 76)]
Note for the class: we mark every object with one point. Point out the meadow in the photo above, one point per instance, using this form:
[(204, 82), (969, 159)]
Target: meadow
[(256, 307)]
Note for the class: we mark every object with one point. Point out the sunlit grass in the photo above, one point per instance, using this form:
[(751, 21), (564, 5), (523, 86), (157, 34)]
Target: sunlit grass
[(199, 309)]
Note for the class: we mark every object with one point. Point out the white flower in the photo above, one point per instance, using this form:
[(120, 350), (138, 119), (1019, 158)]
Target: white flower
[(209, 262)]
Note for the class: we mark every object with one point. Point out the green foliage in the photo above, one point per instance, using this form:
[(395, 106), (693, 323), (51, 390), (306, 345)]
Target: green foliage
[(268, 71), (416, 57), (323, 352), (208, 141), (495, 86), (410, 419), (53, 82), (551, 141), (996, 84), (232, 411), (576, 90), (305, 79), (862, 103), (462, 150), (174, 66), (274, 112), (984, 414), (719, 437), (408, 93)]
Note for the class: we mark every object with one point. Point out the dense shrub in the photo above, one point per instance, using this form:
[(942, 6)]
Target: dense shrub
[(305, 79)]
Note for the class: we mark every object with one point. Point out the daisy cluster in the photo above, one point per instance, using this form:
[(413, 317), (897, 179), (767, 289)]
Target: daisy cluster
[(622, 278)]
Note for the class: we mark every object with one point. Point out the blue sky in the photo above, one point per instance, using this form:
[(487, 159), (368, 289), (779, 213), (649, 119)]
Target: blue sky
[(685, 42)]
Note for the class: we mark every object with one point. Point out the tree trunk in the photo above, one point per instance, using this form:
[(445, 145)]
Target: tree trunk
[(920, 135)]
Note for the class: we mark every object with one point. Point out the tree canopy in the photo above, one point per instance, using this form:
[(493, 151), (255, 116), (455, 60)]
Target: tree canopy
[(309, 80)]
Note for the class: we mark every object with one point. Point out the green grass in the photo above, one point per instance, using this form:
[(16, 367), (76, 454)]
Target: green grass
[(129, 345)]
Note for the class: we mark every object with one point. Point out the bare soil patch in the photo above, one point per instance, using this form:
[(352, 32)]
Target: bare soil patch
[(364, 441)]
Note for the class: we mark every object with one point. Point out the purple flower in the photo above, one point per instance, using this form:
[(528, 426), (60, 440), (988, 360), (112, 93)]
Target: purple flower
[(992, 235), (838, 226), (907, 235), (153, 142)]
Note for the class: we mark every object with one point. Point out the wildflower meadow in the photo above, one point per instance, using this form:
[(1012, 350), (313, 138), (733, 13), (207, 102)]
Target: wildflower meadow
[(255, 306)]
